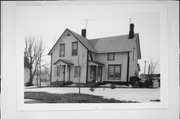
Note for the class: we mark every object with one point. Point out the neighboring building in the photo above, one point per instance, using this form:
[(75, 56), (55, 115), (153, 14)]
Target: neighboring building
[(113, 59)]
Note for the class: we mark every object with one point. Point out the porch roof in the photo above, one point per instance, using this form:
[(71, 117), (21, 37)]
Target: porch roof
[(65, 61), (97, 63)]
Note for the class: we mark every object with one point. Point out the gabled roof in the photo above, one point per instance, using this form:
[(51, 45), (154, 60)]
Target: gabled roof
[(80, 38), (65, 61), (120, 43)]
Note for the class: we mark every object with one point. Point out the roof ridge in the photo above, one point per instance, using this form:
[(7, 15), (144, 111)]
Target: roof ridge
[(112, 36)]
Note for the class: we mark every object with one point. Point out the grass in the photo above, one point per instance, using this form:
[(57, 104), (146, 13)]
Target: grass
[(44, 97)]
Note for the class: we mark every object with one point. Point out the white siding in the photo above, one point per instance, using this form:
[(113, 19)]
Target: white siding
[(82, 56), (120, 58)]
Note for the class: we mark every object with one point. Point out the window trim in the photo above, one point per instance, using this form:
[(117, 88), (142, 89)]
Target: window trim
[(108, 58), (114, 65), (60, 50), (75, 75), (72, 49)]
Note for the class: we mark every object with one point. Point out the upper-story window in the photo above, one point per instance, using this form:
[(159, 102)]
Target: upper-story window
[(74, 48), (110, 56), (62, 50)]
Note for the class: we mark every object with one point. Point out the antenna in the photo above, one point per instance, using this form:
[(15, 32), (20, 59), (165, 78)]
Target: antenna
[(131, 19), (86, 21)]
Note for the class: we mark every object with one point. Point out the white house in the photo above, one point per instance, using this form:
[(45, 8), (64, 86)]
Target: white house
[(108, 59)]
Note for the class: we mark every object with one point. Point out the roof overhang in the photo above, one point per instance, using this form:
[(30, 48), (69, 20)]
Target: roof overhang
[(97, 63), (64, 61)]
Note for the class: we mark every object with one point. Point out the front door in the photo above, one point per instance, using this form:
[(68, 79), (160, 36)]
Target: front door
[(100, 74), (63, 67), (93, 73)]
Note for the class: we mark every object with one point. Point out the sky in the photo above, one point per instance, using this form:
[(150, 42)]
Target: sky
[(49, 22)]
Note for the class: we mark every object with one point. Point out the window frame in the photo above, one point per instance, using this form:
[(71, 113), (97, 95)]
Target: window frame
[(75, 71), (114, 66), (108, 57), (73, 49), (60, 55)]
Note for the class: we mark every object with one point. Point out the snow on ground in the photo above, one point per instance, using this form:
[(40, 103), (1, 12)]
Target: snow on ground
[(128, 94)]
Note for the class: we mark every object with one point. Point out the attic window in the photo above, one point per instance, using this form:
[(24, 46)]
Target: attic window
[(68, 34)]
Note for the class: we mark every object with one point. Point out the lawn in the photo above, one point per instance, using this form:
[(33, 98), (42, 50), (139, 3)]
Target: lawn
[(44, 97)]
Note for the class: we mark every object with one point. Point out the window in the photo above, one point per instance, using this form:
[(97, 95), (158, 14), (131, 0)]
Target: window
[(114, 72), (62, 50), (77, 71), (74, 48), (68, 34), (110, 56), (58, 71)]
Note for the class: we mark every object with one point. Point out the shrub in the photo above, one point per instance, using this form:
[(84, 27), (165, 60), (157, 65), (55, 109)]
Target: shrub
[(113, 86), (134, 81), (92, 89), (148, 83), (67, 82), (140, 84)]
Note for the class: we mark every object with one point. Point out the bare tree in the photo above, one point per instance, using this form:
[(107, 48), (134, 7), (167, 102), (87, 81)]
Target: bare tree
[(32, 55), (152, 66)]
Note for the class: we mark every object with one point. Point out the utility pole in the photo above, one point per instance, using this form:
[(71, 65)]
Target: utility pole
[(144, 66)]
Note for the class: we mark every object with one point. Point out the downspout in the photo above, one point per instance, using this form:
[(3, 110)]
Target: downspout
[(127, 77), (87, 64), (51, 71)]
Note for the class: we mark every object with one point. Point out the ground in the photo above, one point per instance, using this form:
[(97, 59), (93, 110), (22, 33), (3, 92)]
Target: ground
[(127, 94)]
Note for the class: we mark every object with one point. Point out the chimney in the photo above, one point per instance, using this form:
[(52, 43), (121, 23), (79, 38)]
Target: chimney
[(83, 33), (131, 31)]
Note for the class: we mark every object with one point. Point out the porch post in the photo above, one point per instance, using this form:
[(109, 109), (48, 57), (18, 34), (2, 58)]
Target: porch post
[(69, 72), (96, 73)]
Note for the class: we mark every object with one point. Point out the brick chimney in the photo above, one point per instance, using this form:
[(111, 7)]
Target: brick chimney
[(131, 31), (83, 33)]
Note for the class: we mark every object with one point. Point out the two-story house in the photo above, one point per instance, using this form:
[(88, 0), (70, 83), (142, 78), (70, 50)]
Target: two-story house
[(110, 59)]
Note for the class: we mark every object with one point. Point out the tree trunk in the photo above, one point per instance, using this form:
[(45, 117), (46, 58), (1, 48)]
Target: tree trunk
[(30, 82)]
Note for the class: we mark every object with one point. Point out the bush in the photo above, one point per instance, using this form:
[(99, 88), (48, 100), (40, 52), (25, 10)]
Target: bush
[(134, 81), (113, 86), (148, 83), (140, 84), (67, 82), (92, 89)]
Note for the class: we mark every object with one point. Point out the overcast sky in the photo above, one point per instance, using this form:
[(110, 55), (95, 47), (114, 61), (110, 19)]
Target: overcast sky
[(49, 22)]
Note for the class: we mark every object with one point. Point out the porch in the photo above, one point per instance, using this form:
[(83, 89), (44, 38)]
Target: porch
[(62, 70), (95, 72)]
